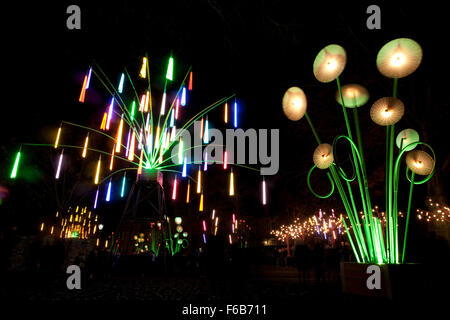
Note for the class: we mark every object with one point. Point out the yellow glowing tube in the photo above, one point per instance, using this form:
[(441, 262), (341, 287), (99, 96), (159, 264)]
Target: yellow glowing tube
[(112, 158), (42, 226), (225, 115), (147, 99), (119, 135), (231, 183), (57, 137), (143, 72), (201, 203), (187, 193), (140, 161), (103, 124), (97, 173), (85, 146), (199, 180)]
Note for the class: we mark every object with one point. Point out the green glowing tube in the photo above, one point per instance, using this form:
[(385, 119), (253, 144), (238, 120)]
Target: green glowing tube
[(16, 165)]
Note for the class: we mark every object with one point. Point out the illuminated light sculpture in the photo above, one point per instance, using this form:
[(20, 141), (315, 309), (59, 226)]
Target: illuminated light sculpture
[(387, 111), (152, 135), (329, 63), (406, 138), (369, 241), (83, 90), (294, 103), (420, 162), (231, 189), (399, 58), (353, 95), (323, 156)]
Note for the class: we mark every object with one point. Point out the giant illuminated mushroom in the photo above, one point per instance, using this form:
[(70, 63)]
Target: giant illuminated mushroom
[(387, 111), (420, 162), (399, 58), (354, 95), (405, 138), (323, 156), (294, 103), (329, 63)]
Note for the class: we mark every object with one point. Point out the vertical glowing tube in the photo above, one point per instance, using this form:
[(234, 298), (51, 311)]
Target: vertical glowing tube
[(225, 159), (88, 78), (103, 124), (169, 74), (190, 82), (96, 199), (15, 167), (143, 72), (141, 158), (201, 128), (57, 137), (206, 134), (174, 190), (147, 101), (172, 118), (225, 113), (213, 214), (108, 193), (122, 78), (173, 133), (112, 159), (83, 90), (85, 146), (231, 183), (204, 238), (122, 191), (201, 203), (264, 199), (128, 143), (229, 239), (205, 163), (199, 179), (183, 97), (177, 107), (131, 149), (204, 225), (97, 172), (119, 135), (188, 191), (59, 165), (233, 218), (142, 103), (184, 168), (235, 114), (110, 112), (163, 104), (133, 107)]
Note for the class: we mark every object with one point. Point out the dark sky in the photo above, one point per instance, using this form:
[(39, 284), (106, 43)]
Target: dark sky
[(255, 49)]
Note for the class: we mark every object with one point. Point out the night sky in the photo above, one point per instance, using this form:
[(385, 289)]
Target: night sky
[(254, 49)]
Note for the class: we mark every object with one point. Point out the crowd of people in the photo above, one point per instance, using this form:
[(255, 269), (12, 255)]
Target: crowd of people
[(314, 260)]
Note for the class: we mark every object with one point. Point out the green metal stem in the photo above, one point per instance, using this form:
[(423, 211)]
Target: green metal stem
[(312, 128), (407, 216)]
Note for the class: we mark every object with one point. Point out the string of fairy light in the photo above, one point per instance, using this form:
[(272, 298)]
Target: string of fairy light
[(143, 137), (437, 213)]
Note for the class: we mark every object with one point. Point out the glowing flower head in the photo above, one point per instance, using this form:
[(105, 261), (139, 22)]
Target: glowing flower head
[(408, 136), (329, 63), (354, 95), (294, 103), (399, 58), (387, 111), (323, 156), (420, 162)]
